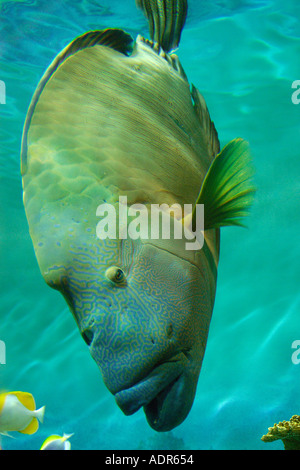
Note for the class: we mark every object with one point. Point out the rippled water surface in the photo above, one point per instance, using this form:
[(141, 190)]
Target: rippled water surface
[(243, 55)]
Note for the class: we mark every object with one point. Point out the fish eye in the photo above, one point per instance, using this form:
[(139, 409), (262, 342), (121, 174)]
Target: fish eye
[(116, 275), (119, 275)]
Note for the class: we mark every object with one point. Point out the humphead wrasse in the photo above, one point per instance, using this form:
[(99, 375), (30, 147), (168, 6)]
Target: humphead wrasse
[(116, 117)]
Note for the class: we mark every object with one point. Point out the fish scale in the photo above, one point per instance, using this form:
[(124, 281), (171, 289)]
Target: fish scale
[(131, 117)]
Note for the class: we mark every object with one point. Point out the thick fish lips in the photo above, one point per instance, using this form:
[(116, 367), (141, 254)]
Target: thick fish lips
[(161, 393)]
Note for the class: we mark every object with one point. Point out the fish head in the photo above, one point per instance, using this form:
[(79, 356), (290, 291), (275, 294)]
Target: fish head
[(143, 308)]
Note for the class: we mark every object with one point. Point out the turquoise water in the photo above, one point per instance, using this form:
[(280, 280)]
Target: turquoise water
[(244, 57)]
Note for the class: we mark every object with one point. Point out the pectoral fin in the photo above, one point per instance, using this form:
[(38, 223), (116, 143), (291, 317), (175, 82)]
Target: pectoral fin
[(227, 191)]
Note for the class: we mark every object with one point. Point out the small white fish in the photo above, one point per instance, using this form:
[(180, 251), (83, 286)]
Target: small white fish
[(18, 413), (56, 442)]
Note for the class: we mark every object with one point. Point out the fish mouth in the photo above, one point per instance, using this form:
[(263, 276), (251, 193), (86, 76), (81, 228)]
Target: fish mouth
[(161, 393)]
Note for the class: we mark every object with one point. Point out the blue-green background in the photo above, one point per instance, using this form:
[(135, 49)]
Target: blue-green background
[(243, 55)]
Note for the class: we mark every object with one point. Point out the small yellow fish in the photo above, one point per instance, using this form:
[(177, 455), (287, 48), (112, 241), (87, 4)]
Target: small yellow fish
[(18, 413), (56, 442)]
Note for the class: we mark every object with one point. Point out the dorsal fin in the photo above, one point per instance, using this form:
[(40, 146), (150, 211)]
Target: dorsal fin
[(166, 20), (206, 122), (116, 39), (25, 398), (172, 59)]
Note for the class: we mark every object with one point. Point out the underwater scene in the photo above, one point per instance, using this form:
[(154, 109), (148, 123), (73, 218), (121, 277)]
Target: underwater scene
[(109, 358)]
